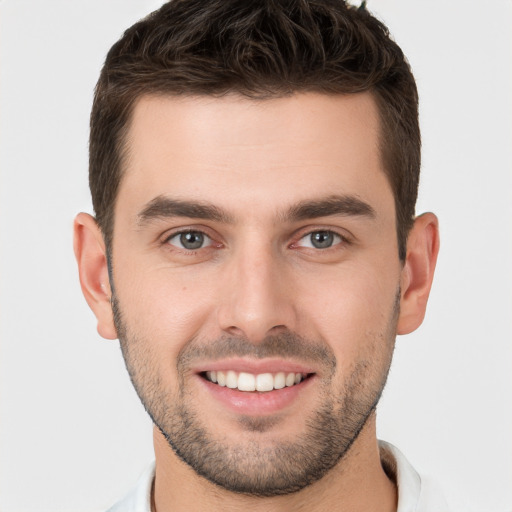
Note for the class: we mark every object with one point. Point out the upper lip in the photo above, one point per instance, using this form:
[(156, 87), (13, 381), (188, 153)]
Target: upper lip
[(254, 366)]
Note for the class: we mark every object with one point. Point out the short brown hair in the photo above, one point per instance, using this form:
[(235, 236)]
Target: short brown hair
[(259, 49)]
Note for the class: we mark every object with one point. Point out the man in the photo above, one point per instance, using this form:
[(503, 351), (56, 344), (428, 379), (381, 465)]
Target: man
[(254, 169)]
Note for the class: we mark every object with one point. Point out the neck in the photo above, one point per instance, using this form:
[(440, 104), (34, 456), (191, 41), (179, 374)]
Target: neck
[(356, 484)]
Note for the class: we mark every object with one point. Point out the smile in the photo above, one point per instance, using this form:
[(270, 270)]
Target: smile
[(262, 382)]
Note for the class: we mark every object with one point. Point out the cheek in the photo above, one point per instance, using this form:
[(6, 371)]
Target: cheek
[(165, 307), (350, 308)]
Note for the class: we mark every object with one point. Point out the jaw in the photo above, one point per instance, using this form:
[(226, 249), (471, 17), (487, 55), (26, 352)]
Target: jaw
[(343, 487)]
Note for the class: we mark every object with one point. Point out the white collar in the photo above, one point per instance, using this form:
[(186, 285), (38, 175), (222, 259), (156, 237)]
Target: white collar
[(415, 493)]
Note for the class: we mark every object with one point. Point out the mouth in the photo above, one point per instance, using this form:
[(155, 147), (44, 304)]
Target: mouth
[(256, 388), (249, 382)]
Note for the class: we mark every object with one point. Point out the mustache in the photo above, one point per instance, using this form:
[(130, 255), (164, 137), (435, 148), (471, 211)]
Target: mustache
[(287, 345)]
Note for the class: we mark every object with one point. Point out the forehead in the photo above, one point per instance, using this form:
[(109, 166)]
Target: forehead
[(235, 150)]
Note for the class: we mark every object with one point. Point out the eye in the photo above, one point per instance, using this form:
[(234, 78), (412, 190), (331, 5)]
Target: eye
[(320, 240), (190, 240)]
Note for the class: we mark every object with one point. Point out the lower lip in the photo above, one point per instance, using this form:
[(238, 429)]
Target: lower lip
[(257, 403)]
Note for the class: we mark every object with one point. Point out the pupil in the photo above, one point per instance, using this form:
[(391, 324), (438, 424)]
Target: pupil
[(322, 239), (192, 240)]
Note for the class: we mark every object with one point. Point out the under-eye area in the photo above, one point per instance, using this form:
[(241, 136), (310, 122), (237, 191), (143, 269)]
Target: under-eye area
[(262, 382)]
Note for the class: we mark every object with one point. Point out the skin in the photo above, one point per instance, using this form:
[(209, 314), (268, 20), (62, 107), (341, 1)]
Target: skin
[(258, 277)]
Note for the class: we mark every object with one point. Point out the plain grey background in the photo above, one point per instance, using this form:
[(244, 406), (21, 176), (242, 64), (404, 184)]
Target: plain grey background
[(73, 436)]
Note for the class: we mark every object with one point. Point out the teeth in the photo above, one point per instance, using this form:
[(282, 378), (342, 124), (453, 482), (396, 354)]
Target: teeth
[(231, 380), (264, 382), (211, 376), (221, 378), (248, 382), (279, 381)]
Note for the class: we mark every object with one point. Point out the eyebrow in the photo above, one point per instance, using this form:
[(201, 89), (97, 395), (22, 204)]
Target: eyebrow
[(335, 205), (162, 207)]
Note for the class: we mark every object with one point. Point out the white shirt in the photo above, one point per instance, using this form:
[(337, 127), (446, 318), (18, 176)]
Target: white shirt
[(415, 494)]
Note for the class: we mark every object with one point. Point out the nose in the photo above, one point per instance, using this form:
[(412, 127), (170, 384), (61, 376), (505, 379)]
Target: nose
[(256, 295)]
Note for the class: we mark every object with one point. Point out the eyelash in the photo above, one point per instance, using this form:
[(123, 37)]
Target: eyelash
[(175, 234), (343, 240)]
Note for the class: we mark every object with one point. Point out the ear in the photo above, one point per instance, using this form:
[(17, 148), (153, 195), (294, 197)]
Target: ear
[(418, 272), (91, 257)]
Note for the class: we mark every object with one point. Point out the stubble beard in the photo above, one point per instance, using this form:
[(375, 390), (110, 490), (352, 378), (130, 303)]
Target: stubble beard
[(252, 467)]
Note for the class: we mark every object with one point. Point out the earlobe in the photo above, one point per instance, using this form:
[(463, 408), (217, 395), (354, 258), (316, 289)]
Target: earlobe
[(418, 272), (91, 257)]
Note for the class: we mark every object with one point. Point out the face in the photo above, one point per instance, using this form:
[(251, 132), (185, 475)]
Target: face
[(256, 281)]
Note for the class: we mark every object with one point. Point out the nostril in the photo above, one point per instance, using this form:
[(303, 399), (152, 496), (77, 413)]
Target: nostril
[(255, 335), (277, 329), (235, 331)]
